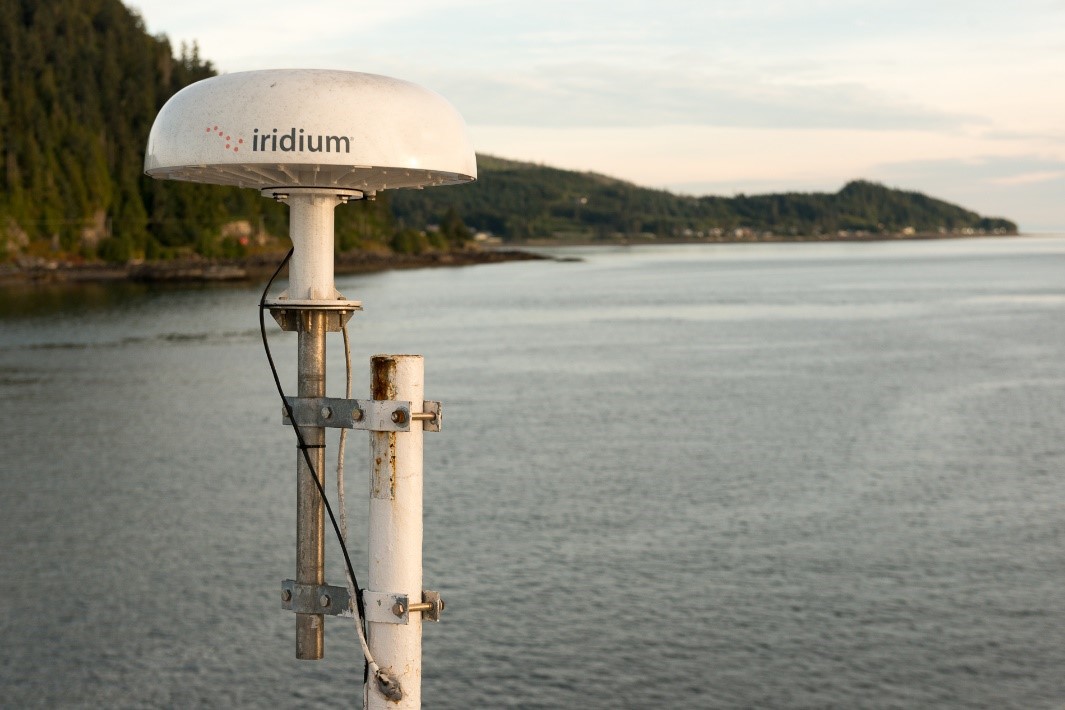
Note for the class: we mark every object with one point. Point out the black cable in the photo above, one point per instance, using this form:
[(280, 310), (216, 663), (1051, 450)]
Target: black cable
[(303, 446)]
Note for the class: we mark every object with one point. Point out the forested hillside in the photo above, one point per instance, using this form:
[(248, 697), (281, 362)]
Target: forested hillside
[(81, 82), (527, 201)]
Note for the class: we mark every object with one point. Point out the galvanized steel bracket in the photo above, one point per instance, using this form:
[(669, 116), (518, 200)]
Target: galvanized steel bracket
[(434, 604), (365, 414), (388, 608), (381, 607), (315, 598), (432, 416)]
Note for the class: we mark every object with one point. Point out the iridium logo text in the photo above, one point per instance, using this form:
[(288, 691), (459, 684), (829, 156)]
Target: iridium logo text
[(298, 141)]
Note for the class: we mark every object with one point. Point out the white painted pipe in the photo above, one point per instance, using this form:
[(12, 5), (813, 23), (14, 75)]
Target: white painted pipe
[(310, 271), (395, 539)]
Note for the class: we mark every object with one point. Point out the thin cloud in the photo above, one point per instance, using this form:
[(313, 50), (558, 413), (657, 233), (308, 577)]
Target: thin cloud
[(987, 169), (583, 95), (1029, 178)]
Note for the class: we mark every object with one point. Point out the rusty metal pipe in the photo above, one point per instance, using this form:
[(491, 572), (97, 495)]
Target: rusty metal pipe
[(310, 510)]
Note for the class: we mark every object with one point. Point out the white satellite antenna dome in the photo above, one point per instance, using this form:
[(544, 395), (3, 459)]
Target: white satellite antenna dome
[(310, 128), (313, 138)]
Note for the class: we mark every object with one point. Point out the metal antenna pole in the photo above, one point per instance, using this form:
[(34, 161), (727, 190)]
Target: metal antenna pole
[(310, 511), (311, 277)]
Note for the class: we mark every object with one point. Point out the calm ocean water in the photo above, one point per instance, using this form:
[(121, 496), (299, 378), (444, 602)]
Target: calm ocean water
[(823, 475)]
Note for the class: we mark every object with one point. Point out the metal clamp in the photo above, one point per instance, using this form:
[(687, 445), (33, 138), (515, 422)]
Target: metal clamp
[(387, 608), (292, 314), (431, 416), (366, 414), (315, 598), (430, 607)]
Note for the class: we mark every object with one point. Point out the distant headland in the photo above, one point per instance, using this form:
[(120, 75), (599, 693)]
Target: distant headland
[(74, 198)]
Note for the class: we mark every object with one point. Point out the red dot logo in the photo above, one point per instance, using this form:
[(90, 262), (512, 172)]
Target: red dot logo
[(227, 139)]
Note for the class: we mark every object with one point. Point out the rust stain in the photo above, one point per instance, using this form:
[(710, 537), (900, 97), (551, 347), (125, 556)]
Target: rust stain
[(382, 385), (392, 463)]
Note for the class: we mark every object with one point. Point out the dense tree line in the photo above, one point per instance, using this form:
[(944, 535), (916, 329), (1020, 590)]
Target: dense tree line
[(517, 201), (81, 82)]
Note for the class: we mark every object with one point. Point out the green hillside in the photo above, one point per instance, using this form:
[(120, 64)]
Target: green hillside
[(527, 201), (81, 82)]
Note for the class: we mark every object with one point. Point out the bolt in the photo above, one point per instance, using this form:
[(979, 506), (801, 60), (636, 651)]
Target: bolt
[(327, 413), (324, 600), (399, 416), (398, 609), (286, 595), (356, 415)]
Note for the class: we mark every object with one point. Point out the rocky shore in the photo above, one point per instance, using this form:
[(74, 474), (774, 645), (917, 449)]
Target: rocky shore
[(198, 270)]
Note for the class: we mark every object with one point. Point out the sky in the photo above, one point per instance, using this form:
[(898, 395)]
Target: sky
[(964, 101)]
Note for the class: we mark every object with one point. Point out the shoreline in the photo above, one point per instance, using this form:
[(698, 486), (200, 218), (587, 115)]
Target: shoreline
[(761, 239), (257, 267), (253, 268)]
